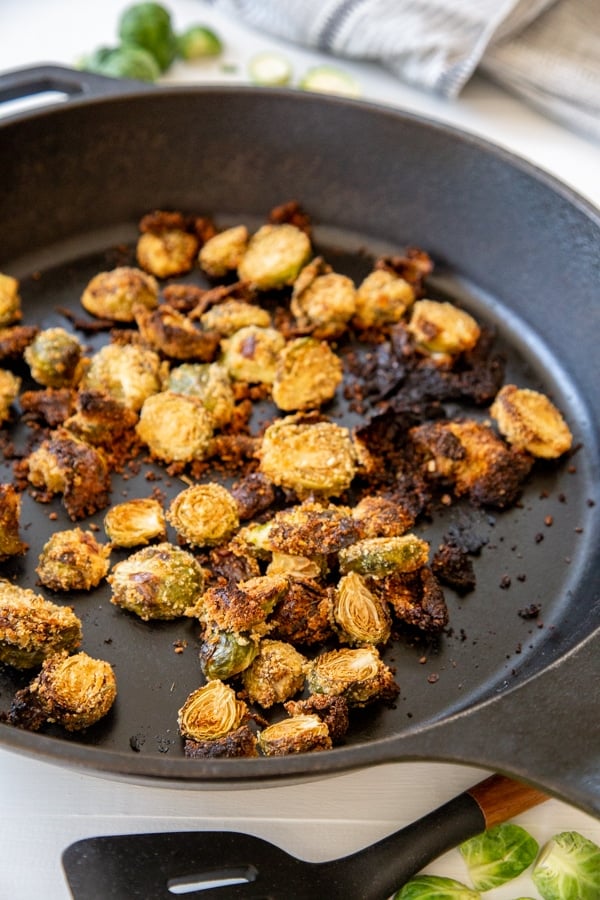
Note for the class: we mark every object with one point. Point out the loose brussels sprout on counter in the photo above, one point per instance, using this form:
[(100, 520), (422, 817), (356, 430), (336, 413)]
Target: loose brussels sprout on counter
[(10, 386), (126, 372), (198, 42), (157, 582), (385, 555), (443, 327), (175, 427), (307, 375), (122, 62), (113, 295), (361, 617), (323, 301), (226, 653), (382, 298), (435, 887), (298, 734), (531, 422), (210, 383), (32, 628), (204, 515), (10, 512), (568, 868), (233, 315), (211, 712), (10, 300), (55, 358), (276, 674), (223, 252), (498, 855), (136, 522), (359, 675), (251, 354), (149, 25), (274, 256), (73, 560)]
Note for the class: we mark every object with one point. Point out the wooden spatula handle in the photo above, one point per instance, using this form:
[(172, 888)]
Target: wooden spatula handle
[(500, 798)]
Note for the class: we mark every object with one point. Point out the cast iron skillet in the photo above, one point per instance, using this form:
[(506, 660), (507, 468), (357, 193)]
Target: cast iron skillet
[(511, 244)]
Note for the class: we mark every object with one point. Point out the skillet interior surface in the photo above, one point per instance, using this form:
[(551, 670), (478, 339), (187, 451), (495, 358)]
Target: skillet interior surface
[(509, 245)]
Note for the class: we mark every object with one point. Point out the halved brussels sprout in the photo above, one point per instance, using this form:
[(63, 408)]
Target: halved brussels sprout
[(32, 628), (10, 512), (231, 315), (157, 582), (361, 617), (210, 712), (443, 327), (379, 516), (416, 598), (308, 457), (274, 256), (298, 734), (276, 674), (385, 555), (204, 515), (176, 427), (530, 421), (296, 566), (226, 653), (174, 335), (10, 300), (135, 522), (223, 252), (9, 391), (210, 383), (382, 298), (55, 358), (251, 354), (236, 744), (73, 560), (126, 372), (102, 421), (323, 302), (312, 529), (239, 607), (307, 375), (74, 691), (359, 675), (333, 711), (115, 294), (304, 615)]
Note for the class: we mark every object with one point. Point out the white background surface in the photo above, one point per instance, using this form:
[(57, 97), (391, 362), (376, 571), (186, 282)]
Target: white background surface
[(45, 807)]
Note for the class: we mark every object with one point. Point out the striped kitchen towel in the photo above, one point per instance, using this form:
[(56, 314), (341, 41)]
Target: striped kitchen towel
[(547, 51)]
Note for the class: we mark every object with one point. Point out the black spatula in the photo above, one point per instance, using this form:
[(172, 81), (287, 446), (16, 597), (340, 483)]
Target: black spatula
[(222, 865)]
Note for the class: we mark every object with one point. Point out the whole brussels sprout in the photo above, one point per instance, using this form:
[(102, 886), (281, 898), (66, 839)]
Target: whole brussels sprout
[(204, 515), (274, 256), (251, 354), (114, 294), (198, 42), (226, 653), (126, 61), (73, 560), (54, 357), (385, 555), (148, 25), (32, 628), (176, 428), (74, 691)]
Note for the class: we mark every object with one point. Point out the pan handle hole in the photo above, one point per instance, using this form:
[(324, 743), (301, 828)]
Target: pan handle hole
[(212, 878)]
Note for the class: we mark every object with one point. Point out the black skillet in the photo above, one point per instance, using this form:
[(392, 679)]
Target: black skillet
[(521, 251)]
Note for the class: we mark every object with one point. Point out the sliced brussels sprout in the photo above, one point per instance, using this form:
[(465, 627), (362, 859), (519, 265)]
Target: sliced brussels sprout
[(115, 294), (323, 302), (568, 868), (307, 375), (10, 300), (382, 298), (232, 315), (174, 335), (254, 539), (443, 327), (416, 598), (230, 564), (331, 710), (226, 653), (530, 421), (126, 372), (298, 734), (274, 256), (296, 566), (276, 674), (498, 855), (210, 383), (251, 354), (32, 628), (304, 615), (379, 516), (170, 251), (136, 522), (435, 887), (313, 529), (55, 358), (157, 582), (9, 391), (359, 675), (175, 427), (74, 691), (102, 421), (73, 560), (361, 616), (10, 513), (308, 457), (204, 515), (239, 607), (385, 555), (210, 712), (198, 42), (236, 744), (223, 252)]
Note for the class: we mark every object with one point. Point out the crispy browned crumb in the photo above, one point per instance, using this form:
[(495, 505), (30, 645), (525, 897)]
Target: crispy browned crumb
[(453, 566), (51, 405), (331, 710), (239, 743), (415, 597)]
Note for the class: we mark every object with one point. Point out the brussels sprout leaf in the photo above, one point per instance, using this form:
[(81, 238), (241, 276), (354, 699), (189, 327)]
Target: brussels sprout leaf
[(498, 855), (433, 887), (568, 868)]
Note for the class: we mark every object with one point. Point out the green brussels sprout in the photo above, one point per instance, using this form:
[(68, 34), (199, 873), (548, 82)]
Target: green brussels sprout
[(176, 427), (251, 354), (114, 295), (276, 674), (126, 372), (498, 855), (74, 691), (197, 42), (232, 315), (73, 560), (382, 298), (148, 25), (9, 391), (223, 252), (55, 357), (211, 712), (210, 383), (10, 512), (135, 522), (361, 617), (226, 653), (157, 582), (568, 868), (274, 256), (359, 675), (307, 375), (385, 555), (435, 887), (303, 733), (10, 300), (204, 515), (32, 628), (125, 61)]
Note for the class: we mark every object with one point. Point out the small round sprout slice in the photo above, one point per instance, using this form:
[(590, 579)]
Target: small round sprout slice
[(172, 251), (303, 733), (10, 513), (275, 675), (10, 300), (325, 302), (54, 358), (359, 675), (9, 391), (32, 628), (443, 327), (128, 373), (136, 522), (361, 617), (204, 515), (210, 383), (307, 375), (74, 691), (382, 298), (211, 712), (383, 556), (251, 354), (73, 560), (530, 421), (175, 427), (231, 315), (223, 252), (114, 294), (274, 256)]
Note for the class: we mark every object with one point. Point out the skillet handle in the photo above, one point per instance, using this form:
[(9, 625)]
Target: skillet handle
[(18, 84)]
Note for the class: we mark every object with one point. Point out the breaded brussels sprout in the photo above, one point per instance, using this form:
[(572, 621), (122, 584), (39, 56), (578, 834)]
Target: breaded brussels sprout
[(115, 294), (416, 598), (10, 300), (126, 372), (136, 522), (380, 516), (251, 354), (274, 256), (211, 712), (236, 744), (443, 327), (74, 691), (333, 711), (174, 335), (167, 251), (361, 617), (382, 298), (359, 675), (276, 674), (384, 555), (10, 386), (13, 341), (210, 383), (157, 582), (231, 315), (308, 457), (226, 653), (323, 301), (204, 515), (530, 421), (307, 375), (32, 628), (312, 529), (100, 420), (175, 427), (296, 566), (10, 512), (298, 734), (223, 252), (55, 358), (241, 607), (73, 560), (304, 615)]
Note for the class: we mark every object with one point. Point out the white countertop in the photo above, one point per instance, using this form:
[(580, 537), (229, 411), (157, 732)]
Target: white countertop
[(46, 807)]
